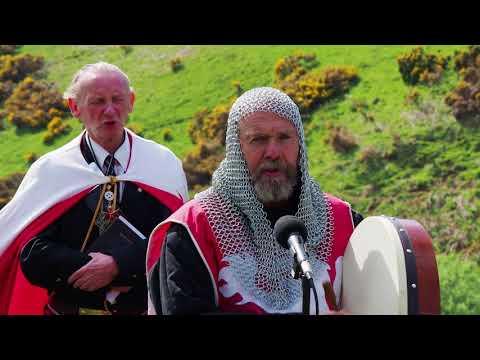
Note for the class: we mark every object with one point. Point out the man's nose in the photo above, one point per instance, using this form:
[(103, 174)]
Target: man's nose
[(272, 150), (109, 109)]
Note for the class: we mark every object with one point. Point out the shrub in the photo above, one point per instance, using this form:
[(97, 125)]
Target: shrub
[(55, 128), (126, 49), (8, 49), (294, 66), (338, 79), (167, 134), (464, 59), (3, 114), (8, 187), (200, 164), (48, 138), (207, 130), (18, 67), (34, 103), (309, 89), (413, 97), (176, 64), (464, 99), (195, 127), (210, 125), (30, 157), (6, 89), (341, 140), (465, 103), (417, 66)]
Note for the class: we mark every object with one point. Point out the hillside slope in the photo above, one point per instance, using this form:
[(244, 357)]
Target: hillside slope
[(412, 159)]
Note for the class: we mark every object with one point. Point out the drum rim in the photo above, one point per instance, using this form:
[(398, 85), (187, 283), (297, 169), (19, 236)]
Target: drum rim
[(428, 284), (410, 266)]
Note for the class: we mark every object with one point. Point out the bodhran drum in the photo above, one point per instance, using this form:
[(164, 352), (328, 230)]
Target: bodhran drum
[(389, 267)]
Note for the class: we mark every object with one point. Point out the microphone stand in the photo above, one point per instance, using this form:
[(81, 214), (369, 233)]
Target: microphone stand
[(306, 288)]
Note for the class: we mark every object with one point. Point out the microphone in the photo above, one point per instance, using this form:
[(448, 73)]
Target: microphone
[(290, 231)]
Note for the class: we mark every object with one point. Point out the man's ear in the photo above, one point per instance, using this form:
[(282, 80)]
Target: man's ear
[(72, 104), (131, 100)]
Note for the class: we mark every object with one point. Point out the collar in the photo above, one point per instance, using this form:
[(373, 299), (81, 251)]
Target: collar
[(122, 154)]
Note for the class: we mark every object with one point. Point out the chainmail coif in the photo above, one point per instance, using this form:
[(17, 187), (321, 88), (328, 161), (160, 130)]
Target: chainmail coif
[(244, 234)]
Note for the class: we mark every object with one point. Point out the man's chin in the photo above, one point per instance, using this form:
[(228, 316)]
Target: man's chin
[(273, 191), (112, 128)]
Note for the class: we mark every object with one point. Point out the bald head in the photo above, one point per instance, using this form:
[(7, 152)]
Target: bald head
[(89, 73), (101, 98)]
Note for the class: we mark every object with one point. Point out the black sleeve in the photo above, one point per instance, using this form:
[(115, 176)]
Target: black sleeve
[(48, 262), (185, 283), (357, 218)]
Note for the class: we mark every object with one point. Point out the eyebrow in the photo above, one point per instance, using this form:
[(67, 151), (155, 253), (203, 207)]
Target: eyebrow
[(259, 132)]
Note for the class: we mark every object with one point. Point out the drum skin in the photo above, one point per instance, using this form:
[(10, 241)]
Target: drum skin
[(389, 268)]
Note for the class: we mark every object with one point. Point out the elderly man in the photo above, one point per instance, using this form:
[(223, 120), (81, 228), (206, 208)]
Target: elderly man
[(217, 253), (75, 234)]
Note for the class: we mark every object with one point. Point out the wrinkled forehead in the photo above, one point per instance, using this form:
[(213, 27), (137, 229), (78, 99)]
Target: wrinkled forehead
[(265, 122), (99, 81)]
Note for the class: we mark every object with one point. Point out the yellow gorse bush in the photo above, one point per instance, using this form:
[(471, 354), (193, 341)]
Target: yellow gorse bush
[(464, 99), (308, 88), (34, 103), (55, 128), (18, 67), (417, 66)]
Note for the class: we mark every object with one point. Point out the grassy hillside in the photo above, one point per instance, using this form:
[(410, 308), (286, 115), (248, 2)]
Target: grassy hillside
[(423, 164)]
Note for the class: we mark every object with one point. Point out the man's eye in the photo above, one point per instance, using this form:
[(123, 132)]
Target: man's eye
[(258, 139), (117, 99), (96, 101)]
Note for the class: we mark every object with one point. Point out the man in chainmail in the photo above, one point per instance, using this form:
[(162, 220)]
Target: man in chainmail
[(217, 253)]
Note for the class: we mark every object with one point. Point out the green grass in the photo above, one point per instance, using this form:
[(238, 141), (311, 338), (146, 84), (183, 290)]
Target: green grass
[(459, 284), (14, 147), (442, 155), (434, 177), (167, 99)]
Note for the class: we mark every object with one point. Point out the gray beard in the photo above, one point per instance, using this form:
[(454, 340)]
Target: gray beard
[(273, 190)]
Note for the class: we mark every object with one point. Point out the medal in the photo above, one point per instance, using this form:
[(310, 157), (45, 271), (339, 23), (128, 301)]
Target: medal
[(109, 211), (108, 195)]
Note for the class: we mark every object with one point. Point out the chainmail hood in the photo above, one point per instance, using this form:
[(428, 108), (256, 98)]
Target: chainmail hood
[(260, 266)]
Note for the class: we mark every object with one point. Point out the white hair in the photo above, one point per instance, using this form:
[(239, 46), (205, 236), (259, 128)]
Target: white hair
[(75, 88)]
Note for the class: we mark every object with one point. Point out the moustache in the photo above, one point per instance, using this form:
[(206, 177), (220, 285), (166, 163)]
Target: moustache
[(271, 166)]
